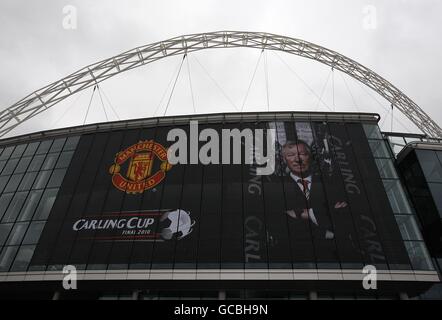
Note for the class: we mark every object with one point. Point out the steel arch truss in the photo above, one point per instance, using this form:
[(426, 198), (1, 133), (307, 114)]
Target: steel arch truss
[(93, 74)]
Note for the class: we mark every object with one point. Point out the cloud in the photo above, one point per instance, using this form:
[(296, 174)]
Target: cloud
[(36, 50)]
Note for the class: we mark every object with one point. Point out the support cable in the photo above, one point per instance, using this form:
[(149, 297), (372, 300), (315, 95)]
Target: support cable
[(383, 118), (174, 84), (102, 103), (387, 110), (391, 118), (50, 95), (109, 103), (251, 80), (216, 84), (351, 95), (267, 80), (190, 84), (167, 88), (303, 82), (68, 109), (323, 90), (333, 88), (89, 106)]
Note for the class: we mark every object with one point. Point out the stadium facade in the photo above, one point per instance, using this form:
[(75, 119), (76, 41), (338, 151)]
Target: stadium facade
[(106, 199)]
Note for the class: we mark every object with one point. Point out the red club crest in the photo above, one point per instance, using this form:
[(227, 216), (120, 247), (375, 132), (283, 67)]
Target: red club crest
[(141, 157)]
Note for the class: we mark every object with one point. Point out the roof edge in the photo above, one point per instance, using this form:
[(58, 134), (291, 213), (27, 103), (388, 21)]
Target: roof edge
[(202, 118)]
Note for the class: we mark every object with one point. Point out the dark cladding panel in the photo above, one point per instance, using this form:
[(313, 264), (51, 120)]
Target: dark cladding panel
[(368, 239), (47, 243), (114, 206), (320, 204), (232, 228), (253, 217), (98, 204), (168, 227), (276, 226), (382, 211), (97, 254), (135, 203), (85, 245), (143, 248), (209, 236), (77, 204), (186, 250), (418, 167), (286, 246), (345, 237)]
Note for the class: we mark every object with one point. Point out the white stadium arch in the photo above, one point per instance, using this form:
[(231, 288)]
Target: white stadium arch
[(48, 96)]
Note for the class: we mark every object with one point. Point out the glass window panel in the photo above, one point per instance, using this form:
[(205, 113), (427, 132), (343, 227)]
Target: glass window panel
[(45, 205), (430, 164), (23, 164), (18, 151), (36, 163), (17, 233), (10, 166), (379, 149), (44, 147), (42, 179), (419, 257), (372, 131), (439, 262), (30, 150), (386, 168), (56, 178), (58, 144), (2, 164), (408, 227), (50, 161), (27, 181), (396, 196), (6, 257), (71, 143), (23, 258), (5, 199), (13, 182), (15, 207), (64, 159), (7, 153), (29, 206), (5, 228), (3, 181), (439, 156), (34, 232), (436, 192)]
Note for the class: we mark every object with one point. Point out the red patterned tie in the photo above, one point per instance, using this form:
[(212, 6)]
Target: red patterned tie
[(305, 184)]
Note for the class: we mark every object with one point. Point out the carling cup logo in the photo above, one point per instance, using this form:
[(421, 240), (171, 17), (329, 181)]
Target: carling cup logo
[(141, 157)]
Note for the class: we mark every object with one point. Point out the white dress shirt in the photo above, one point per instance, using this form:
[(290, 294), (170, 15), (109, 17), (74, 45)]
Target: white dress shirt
[(301, 187)]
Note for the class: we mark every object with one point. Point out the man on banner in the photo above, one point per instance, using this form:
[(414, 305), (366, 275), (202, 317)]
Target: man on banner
[(305, 198)]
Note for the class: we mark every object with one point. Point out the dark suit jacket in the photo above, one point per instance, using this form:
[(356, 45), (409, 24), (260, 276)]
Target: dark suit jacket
[(296, 201)]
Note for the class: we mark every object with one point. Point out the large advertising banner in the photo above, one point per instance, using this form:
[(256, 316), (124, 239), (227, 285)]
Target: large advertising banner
[(126, 202)]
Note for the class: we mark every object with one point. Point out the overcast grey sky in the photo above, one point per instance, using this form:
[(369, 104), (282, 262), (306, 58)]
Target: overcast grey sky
[(405, 48)]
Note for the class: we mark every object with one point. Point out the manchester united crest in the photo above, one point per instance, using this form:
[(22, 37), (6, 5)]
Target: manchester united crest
[(140, 158)]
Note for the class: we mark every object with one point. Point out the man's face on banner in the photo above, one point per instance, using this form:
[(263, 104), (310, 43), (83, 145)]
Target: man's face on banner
[(298, 158)]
